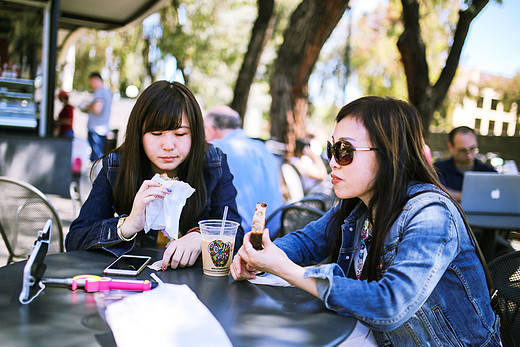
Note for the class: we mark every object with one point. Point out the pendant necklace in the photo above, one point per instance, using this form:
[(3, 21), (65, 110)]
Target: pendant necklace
[(365, 233)]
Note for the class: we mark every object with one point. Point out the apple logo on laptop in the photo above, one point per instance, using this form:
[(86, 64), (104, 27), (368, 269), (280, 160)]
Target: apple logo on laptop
[(495, 194)]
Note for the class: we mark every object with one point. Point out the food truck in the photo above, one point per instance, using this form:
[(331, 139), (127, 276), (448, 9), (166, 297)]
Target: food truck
[(31, 33)]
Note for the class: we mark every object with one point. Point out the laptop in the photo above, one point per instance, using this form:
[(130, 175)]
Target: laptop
[(492, 200)]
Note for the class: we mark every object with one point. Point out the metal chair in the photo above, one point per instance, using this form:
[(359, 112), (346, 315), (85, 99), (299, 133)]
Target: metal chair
[(505, 272), (316, 202), (23, 211), (295, 217), (291, 178)]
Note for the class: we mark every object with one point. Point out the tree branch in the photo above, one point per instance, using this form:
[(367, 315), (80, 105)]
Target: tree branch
[(442, 85), (413, 52)]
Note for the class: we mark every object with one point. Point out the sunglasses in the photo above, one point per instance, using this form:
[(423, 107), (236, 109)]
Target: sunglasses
[(343, 151)]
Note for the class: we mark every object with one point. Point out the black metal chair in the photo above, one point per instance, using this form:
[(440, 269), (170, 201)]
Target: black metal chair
[(295, 217), (505, 272), (317, 202), (24, 210)]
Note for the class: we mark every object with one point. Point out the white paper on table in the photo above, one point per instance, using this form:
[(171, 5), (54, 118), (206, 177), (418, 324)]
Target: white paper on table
[(165, 213), (270, 280), (156, 265), (169, 315)]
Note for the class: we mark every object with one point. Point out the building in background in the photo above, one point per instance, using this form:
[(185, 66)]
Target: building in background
[(482, 107)]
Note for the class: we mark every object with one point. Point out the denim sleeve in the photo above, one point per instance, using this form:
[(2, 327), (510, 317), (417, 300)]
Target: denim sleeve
[(96, 224), (429, 242)]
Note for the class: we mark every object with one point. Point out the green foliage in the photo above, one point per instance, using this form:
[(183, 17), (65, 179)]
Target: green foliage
[(209, 44), (207, 38)]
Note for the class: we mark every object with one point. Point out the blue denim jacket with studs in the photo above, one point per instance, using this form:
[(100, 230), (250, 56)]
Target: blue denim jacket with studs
[(96, 224), (432, 291)]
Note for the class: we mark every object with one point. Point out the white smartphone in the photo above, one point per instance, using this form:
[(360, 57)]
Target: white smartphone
[(130, 265)]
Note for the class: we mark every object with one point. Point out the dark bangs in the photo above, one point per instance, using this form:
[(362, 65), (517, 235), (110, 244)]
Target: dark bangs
[(164, 112)]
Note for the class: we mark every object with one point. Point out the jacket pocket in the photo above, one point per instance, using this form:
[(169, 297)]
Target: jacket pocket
[(443, 328)]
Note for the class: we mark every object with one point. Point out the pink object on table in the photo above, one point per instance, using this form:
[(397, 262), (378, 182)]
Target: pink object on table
[(96, 283)]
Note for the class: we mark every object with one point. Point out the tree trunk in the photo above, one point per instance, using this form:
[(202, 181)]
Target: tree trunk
[(260, 35), (310, 26), (146, 61), (427, 98)]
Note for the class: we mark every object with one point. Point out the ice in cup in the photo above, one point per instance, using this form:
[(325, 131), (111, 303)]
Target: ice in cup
[(218, 241)]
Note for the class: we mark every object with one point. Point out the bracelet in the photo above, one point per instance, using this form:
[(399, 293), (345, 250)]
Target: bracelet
[(193, 230), (120, 232)]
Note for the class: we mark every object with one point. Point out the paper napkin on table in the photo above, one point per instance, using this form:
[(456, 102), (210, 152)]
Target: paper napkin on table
[(165, 213), (270, 280), (169, 315)]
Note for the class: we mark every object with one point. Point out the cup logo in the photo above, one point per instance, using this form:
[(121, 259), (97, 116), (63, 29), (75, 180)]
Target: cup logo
[(219, 252)]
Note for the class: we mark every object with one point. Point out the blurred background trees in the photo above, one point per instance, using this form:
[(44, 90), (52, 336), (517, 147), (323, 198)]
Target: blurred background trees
[(290, 62)]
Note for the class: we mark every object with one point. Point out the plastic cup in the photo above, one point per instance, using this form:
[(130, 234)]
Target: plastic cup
[(217, 245)]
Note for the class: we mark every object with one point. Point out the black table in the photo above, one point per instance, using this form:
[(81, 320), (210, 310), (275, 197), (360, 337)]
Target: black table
[(251, 315), (490, 225)]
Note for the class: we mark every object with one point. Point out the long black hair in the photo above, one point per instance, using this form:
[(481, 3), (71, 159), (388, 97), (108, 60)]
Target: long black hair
[(394, 128), (161, 107)]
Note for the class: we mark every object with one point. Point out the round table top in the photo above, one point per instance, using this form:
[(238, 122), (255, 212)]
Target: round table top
[(251, 315)]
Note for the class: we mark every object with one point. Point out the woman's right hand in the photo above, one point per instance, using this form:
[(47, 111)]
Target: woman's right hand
[(149, 191)]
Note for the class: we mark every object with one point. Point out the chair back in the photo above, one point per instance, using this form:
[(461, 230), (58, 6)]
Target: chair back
[(75, 197), (315, 201), (505, 273), (24, 210), (293, 181), (295, 217)]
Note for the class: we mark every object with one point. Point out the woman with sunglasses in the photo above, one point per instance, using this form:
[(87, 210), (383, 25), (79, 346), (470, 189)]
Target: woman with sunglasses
[(394, 253)]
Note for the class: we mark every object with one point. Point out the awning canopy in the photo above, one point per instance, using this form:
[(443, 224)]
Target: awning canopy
[(96, 14), (105, 14), (72, 15)]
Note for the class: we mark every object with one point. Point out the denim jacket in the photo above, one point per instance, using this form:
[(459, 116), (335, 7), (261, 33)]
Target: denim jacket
[(96, 224), (433, 290)]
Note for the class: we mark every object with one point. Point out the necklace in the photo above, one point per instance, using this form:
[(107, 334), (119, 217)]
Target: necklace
[(365, 233)]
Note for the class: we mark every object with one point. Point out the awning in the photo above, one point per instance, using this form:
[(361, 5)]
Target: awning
[(96, 14), (72, 15)]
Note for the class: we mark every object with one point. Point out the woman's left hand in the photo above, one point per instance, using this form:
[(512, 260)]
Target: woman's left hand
[(182, 252)]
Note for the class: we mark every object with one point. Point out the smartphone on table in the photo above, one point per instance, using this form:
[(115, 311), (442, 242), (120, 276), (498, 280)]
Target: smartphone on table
[(129, 265)]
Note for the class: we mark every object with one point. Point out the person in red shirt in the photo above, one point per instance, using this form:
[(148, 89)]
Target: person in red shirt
[(65, 117)]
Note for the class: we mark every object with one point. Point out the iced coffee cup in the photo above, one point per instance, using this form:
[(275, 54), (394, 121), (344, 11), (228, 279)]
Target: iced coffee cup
[(218, 241)]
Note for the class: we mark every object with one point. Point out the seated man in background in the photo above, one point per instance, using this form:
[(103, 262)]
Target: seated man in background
[(255, 170), (463, 147)]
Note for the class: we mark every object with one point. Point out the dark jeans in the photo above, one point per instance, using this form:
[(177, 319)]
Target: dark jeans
[(97, 144)]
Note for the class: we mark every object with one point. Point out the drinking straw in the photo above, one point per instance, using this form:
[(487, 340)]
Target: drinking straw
[(223, 220)]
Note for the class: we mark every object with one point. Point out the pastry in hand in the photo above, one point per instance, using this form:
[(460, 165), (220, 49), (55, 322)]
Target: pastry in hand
[(258, 225), (165, 177)]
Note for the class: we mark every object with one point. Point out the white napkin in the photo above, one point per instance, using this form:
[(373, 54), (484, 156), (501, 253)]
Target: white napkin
[(169, 315), (270, 280), (165, 213)]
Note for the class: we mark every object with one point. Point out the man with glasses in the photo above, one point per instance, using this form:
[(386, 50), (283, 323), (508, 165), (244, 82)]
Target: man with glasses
[(463, 147)]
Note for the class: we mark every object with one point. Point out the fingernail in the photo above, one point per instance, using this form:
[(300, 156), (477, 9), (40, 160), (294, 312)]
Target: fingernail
[(169, 190), (156, 196), (163, 268)]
